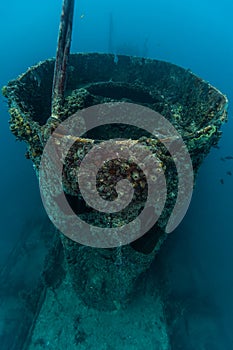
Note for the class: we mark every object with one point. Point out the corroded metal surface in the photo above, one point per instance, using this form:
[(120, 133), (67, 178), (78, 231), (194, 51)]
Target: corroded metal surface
[(195, 108)]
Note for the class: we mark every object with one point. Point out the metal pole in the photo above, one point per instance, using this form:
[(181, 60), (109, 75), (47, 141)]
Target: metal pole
[(62, 56)]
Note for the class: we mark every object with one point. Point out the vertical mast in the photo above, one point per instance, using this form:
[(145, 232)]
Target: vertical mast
[(62, 57)]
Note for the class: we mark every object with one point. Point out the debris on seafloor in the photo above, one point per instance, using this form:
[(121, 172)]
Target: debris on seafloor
[(222, 181), (229, 173)]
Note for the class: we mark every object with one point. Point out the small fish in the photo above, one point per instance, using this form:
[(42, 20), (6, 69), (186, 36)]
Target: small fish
[(82, 16), (222, 159), (228, 157), (229, 173), (216, 146), (221, 181)]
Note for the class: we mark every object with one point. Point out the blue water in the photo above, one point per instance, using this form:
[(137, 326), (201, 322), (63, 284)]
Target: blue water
[(193, 34)]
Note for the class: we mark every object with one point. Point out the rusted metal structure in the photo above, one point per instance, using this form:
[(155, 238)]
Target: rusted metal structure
[(195, 108)]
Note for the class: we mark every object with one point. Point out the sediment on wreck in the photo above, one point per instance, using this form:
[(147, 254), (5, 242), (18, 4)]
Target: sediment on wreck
[(105, 278)]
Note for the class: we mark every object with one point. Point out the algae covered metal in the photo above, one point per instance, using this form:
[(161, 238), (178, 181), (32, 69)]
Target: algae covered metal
[(105, 278)]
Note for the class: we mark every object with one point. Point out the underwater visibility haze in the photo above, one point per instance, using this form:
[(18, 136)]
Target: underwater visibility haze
[(158, 291)]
